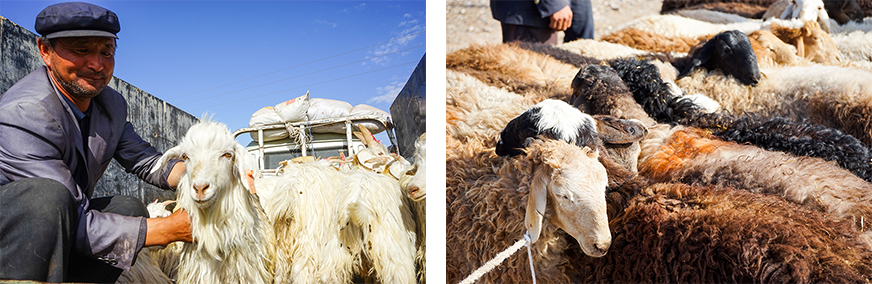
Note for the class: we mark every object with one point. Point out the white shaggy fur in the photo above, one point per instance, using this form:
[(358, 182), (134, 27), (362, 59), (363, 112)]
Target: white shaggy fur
[(415, 184), (561, 117), (378, 226), (234, 239), (323, 219), (475, 109), (604, 50)]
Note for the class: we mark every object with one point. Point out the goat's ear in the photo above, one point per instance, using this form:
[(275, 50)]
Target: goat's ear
[(700, 58), (245, 166), (172, 153), (536, 203), (800, 47)]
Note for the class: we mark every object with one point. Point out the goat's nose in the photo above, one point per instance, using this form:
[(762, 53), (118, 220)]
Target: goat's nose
[(201, 188), (413, 190)]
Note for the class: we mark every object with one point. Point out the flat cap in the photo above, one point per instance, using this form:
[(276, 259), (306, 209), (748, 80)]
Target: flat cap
[(75, 19)]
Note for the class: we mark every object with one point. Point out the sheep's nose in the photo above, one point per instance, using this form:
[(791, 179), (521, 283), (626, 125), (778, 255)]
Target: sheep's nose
[(602, 248)]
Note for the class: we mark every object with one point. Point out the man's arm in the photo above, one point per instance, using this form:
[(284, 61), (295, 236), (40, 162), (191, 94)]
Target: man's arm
[(165, 230)]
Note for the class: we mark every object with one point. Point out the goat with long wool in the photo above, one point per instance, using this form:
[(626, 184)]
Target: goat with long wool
[(234, 238)]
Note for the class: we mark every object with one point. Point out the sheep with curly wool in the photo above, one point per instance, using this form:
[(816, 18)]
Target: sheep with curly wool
[(483, 216), (234, 238), (836, 97), (811, 42), (511, 67), (669, 6), (730, 52), (691, 155), (746, 10)]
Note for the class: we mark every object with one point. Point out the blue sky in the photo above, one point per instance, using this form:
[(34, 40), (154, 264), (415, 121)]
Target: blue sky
[(231, 58)]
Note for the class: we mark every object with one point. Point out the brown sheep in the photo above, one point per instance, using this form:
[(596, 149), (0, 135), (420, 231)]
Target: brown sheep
[(811, 42)]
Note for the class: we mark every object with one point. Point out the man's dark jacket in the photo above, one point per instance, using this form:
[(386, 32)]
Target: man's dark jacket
[(40, 137)]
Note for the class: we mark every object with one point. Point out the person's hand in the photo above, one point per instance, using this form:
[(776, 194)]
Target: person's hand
[(162, 231), (561, 20)]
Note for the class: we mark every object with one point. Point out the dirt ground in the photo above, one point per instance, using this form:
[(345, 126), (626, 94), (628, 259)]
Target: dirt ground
[(470, 21)]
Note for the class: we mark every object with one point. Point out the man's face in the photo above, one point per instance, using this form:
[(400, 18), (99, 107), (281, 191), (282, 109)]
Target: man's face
[(82, 66)]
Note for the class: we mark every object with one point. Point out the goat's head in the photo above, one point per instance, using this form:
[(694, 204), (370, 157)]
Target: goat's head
[(415, 180), (552, 119), (570, 183), (214, 162), (729, 51)]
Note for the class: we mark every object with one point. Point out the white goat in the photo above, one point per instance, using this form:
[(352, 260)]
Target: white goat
[(415, 184), (234, 239)]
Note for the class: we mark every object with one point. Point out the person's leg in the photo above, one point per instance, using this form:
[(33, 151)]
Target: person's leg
[(528, 33), (582, 21), (37, 229), (87, 269)]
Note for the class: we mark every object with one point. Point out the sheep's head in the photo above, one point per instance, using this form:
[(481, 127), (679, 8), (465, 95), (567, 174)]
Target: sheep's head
[(552, 119), (811, 42), (771, 51), (570, 182), (621, 139), (729, 51), (415, 180), (215, 164)]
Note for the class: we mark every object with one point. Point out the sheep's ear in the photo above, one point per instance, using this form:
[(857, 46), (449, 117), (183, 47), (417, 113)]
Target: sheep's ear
[(619, 131), (245, 166), (800, 47), (172, 153), (701, 57), (536, 203)]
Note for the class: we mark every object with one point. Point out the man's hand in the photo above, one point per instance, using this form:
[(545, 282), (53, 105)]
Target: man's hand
[(561, 20), (162, 231)]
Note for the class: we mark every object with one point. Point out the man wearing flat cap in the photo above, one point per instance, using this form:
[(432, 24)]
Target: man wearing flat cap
[(60, 128)]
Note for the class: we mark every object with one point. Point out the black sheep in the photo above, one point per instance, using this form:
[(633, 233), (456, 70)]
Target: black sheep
[(729, 51)]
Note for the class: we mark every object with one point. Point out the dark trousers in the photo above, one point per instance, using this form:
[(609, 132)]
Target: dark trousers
[(529, 34), (582, 21), (38, 222)]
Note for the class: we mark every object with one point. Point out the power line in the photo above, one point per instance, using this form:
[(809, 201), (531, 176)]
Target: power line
[(295, 66), (301, 75), (300, 87)]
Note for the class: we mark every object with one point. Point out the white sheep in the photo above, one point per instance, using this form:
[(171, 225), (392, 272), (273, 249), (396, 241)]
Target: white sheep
[(234, 239)]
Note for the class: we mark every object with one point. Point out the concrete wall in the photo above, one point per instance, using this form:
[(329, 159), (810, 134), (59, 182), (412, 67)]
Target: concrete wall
[(159, 123), (409, 110)]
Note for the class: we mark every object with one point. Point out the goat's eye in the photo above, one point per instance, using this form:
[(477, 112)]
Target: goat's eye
[(227, 155), (185, 157)]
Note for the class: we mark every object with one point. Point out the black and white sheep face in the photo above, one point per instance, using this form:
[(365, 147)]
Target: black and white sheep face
[(214, 164), (731, 52), (553, 119), (571, 183)]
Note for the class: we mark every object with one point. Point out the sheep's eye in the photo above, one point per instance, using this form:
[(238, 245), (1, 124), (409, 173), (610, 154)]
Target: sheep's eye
[(185, 157)]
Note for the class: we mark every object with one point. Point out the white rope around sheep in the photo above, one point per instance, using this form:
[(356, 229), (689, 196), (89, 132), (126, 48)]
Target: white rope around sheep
[(497, 260)]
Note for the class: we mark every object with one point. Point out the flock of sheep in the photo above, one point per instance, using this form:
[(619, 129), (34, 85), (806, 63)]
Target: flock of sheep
[(325, 221), (702, 145)]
